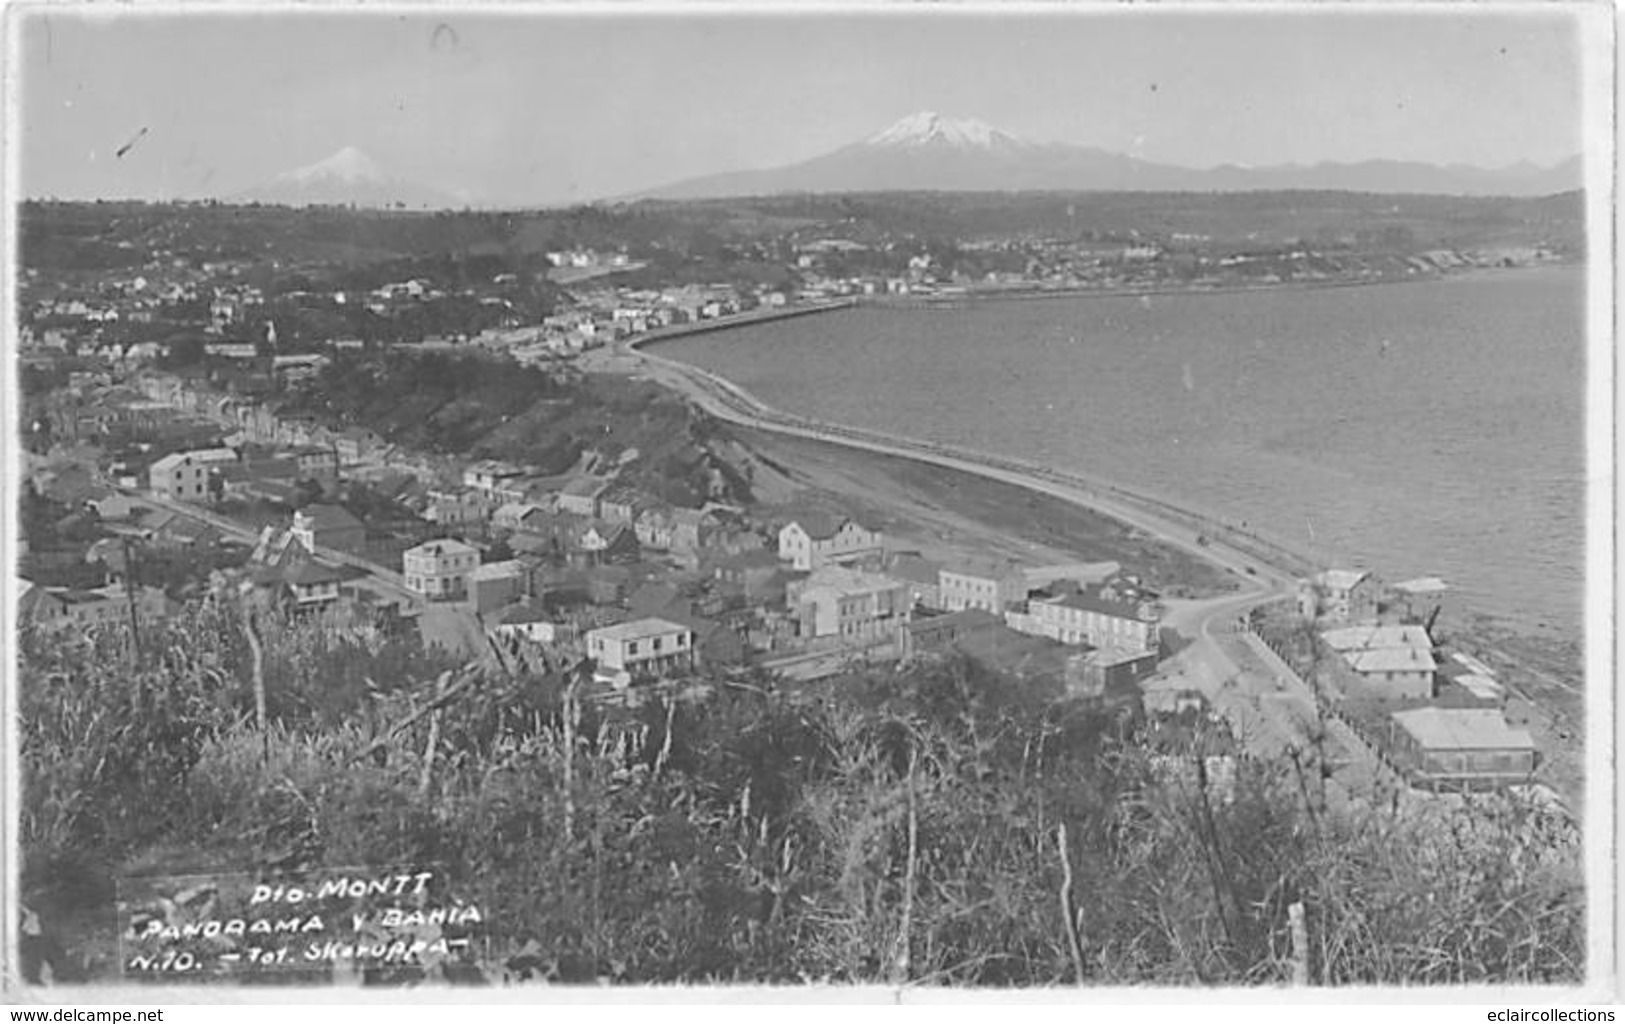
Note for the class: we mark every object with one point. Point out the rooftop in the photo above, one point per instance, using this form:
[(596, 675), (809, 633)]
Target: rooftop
[(499, 570), (1390, 659), (443, 546), (1462, 729), (639, 629), (1422, 585), (1352, 638), (328, 517), (983, 568)]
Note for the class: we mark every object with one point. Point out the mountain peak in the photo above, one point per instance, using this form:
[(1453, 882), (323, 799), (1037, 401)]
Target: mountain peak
[(348, 164), (928, 127)]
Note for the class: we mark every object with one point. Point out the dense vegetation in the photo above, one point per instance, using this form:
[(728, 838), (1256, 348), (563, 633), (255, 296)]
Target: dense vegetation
[(70, 236), (921, 828), (494, 408)]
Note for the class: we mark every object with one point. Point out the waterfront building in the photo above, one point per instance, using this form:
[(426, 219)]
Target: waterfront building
[(1461, 748), (1421, 598), (814, 541), (1343, 595), (1116, 614), (1392, 662)]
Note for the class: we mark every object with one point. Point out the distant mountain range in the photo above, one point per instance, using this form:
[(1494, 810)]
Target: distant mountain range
[(929, 152), (345, 178)]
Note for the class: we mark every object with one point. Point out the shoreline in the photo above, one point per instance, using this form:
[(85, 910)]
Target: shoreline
[(1546, 678), (1225, 546), (733, 403)]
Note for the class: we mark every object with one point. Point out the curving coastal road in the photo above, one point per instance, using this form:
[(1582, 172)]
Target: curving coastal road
[(1270, 708)]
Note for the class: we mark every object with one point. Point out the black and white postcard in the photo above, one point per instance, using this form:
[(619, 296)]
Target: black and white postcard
[(916, 499)]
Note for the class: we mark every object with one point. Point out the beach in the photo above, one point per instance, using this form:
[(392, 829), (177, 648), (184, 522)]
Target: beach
[(945, 501)]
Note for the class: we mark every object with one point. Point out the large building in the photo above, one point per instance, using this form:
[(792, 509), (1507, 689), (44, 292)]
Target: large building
[(814, 541), (1343, 595), (1393, 662), (990, 586), (1117, 614), (858, 608), (1461, 748), (440, 569), (643, 649)]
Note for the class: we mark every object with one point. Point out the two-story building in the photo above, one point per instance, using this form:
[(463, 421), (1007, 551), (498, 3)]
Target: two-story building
[(814, 541), (1114, 614), (312, 585), (976, 583), (1342, 595), (1392, 662), (642, 649), (850, 607), (180, 476), (440, 569)]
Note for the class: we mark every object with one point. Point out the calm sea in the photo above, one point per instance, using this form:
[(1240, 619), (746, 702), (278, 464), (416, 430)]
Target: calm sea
[(1427, 428)]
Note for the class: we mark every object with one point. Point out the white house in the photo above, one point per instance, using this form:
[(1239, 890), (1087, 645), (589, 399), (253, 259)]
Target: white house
[(646, 648), (814, 541)]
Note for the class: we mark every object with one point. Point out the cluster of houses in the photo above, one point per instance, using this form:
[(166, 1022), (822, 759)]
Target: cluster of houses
[(1439, 717)]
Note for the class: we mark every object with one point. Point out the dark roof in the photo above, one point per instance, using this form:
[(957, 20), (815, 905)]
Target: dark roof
[(330, 517), (310, 573), (915, 569), (1091, 601), (819, 525)]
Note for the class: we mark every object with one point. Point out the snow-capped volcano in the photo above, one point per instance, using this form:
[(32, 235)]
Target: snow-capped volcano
[(347, 177), (930, 128), (347, 165), (928, 151)]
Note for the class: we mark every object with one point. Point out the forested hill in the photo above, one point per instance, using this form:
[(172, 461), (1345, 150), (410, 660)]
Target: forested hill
[(477, 406)]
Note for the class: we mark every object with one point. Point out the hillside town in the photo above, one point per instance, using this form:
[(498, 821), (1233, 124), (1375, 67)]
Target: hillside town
[(435, 507), (203, 475)]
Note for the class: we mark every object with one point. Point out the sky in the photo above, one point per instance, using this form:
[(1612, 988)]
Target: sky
[(549, 105)]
